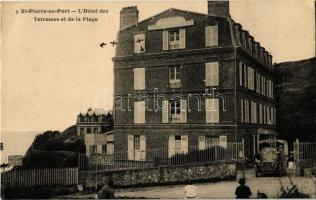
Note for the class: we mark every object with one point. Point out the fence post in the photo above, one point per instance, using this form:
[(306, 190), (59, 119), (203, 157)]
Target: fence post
[(296, 155)]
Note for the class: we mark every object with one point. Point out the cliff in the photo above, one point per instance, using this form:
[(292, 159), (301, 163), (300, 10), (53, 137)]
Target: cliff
[(296, 99)]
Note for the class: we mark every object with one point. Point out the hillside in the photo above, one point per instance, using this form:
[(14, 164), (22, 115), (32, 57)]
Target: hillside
[(54, 149), (296, 99)]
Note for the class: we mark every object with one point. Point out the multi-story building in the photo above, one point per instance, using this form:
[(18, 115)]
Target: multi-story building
[(185, 79), (95, 127)]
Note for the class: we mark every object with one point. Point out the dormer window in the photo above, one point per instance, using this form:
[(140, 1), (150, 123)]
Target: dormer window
[(173, 39)]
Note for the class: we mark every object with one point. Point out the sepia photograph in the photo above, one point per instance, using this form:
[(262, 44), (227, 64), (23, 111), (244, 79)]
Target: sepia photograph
[(158, 99)]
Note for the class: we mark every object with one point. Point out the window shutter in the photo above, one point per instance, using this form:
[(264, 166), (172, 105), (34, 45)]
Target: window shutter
[(139, 43), (241, 110), (183, 111), (184, 144), (130, 147), (139, 112), (240, 74), (99, 149), (211, 36), (88, 150), (142, 147), (211, 74), (249, 77), (201, 141), (223, 141), (245, 76), (171, 146), (182, 38), (212, 110), (139, 78), (165, 111), (165, 40), (255, 112)]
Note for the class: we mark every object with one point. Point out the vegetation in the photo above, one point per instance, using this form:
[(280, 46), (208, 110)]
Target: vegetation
[(54, 149), (295, 98)]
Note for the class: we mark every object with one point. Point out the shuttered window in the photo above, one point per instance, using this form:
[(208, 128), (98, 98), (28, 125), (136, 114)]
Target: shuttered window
[(211, 36), (177, 144), (139, 78), (139, 43), (212, 110), (206, 142), (174, 39), (136, 147), (139, 112), (211, 74), (223, 141)]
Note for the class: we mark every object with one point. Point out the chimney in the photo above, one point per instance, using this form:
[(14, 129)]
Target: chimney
[(218, 8), (128, 17)]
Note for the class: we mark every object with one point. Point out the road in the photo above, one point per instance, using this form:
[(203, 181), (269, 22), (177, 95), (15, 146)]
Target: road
[(225, 189)]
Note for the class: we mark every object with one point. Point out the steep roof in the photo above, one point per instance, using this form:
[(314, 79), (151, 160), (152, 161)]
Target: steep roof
[(168, 10)]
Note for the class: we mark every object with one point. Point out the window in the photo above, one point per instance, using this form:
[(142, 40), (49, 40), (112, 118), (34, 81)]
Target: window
[(139, 43), (212, 110), (103, 148), (81, 131), (178, 144), (174, 73), (174, 111), (88, 130), (139, 112), (95, 130), (206, 142), (174, 39), (246, 111), (93, 149), (253, 112), (139, 78), (110, 148), (211, 141), (211, 36), (211, 74), (136, 142), (136, 147), (174, 77), (241, 110), (260, 114)]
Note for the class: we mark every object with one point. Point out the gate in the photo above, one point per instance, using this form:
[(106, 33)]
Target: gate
[(304, 154)]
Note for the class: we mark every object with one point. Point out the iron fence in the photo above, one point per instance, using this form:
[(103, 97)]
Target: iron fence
[(160, 157)]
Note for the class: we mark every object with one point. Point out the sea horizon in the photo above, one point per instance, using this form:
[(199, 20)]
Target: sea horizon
[(16, 142)]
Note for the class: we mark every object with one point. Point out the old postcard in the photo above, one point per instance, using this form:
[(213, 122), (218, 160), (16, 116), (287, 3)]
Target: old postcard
[(158, 99)]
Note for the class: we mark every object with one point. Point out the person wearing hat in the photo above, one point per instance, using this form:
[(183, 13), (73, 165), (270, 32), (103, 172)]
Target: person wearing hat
[(242, 191)]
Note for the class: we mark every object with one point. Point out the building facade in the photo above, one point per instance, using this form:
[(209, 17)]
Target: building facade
[(96, 128), (184, 79)]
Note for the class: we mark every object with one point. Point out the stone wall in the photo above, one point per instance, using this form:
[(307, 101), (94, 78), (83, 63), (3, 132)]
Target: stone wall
[(162, 176)]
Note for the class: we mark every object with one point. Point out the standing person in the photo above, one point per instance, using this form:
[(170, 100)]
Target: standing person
[(242, 191), (107, 191)]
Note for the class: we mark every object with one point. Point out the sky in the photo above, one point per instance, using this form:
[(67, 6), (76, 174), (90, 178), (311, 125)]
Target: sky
[(51, 71)]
